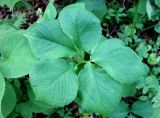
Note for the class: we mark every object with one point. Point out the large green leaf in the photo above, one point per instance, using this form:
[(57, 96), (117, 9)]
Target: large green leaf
[(8, 101), (9, 3), (16, 56), (80, 25), (98, 92), (121, 111), (54, 82), (2, 89), (98, 7), (156, 113), (48, 41), (143, 109), (120, 62)]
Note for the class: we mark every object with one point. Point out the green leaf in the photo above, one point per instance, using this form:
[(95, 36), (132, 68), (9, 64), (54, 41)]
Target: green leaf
[(18, 20), (149, 9), (16, 56), (80, 25), (157, 2), (121, 111), (27, 108), (149, 83), (24, 109), (129, 89), (8, 101), (156, 98), (2, 89), (130, 30), (54, 82), (142, 49), (156, 113), (143, 109), (96, 87), (98, 7), (48, 41), (157, 28), (142, 6), (131, 116), (50, 12), (120, 62), (156, 70), (39, 109), (33, 99), (153, 59), (9, 3)]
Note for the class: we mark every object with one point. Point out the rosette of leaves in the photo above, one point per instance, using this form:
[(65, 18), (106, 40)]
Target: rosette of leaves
[(77, 63)]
